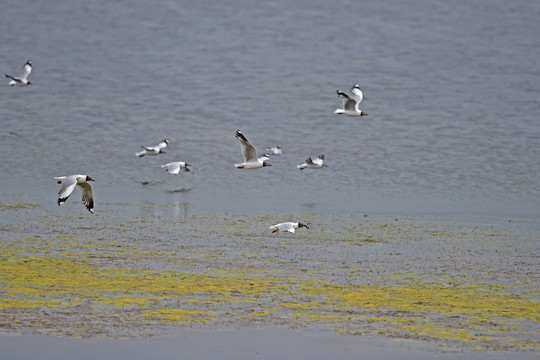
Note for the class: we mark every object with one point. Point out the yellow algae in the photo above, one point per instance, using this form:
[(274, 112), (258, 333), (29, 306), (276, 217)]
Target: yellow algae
[(433, 330), (180, 315), (295, 305), (79, 278)]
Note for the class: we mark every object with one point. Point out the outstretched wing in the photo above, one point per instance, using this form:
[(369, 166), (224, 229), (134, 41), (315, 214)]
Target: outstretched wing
[(357, 93), (87, 196), (162, 144), (287, 227), (248, 150), (348, 102), (172, 168), (68, 184), (26, 70)]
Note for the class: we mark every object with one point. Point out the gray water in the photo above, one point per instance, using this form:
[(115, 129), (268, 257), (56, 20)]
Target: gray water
[(451, 88)]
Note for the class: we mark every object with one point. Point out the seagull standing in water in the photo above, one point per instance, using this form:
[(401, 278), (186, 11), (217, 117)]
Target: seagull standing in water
[(251, 161), (153, 150), (175, 167), (287, 227), (68, 184), (22, 79), (351, 103), (313, 164)]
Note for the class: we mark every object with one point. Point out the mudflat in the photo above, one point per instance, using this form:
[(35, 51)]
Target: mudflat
[(144, 271)]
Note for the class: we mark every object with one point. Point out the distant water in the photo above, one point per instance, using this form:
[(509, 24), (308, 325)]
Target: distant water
[(452, 91)]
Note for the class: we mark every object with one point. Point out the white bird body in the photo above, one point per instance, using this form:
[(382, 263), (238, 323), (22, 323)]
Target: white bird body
[(175, 167), (310, 163), (22, 80), (351, 103), (274, 150), (251, 161), (81, 181), (153, 150), (287, 227)]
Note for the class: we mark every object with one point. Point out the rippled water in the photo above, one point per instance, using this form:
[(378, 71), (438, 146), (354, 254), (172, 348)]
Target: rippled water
[(452, 91)]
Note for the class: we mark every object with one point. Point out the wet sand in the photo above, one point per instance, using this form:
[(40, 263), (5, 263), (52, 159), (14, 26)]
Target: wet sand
[(435, 285)]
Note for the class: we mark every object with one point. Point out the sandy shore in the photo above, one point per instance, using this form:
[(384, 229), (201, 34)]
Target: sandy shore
[(453, 286)]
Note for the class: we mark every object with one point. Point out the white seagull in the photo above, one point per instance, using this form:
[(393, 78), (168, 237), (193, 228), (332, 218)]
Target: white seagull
[(351, 103), (68, 184), (287, 227), (313, 164), (153, 150), (274, 150), (22, 79), (175, 167), (251, 161)]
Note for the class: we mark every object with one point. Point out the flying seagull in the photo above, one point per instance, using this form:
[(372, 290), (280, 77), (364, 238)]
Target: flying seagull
[(287, 227), (175, 167), (68, 184), (313, 164), (22, 79), (153, 150), (351, 103), (251, 161)]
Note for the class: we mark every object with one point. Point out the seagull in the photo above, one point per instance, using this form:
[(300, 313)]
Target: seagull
[(313, 164), (350, 103), (251, 161), (153, 150), (274, 150), (68, 184), (287, 227), (22, 79), (175, 167)]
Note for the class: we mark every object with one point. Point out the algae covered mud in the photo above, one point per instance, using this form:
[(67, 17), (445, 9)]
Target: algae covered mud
[(455, 284)]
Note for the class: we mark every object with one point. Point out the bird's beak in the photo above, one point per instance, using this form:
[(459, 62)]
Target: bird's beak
[(90, 179)]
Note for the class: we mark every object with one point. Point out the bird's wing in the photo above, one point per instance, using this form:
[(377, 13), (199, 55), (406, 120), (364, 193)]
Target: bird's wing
[(248, 150), (68, 184), (87, 196), (309, 161), (357, 93), (162, 144), (26, 70), (348, 102), (173, 168), (288, 227)]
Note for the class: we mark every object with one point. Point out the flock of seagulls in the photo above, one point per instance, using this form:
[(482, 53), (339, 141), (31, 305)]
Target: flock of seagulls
[(251, 160)]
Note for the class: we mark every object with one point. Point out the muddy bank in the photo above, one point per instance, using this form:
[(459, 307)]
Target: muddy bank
[(457, 286)]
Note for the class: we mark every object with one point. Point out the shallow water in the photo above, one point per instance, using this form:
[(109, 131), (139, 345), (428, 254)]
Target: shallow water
[(451, 89)]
